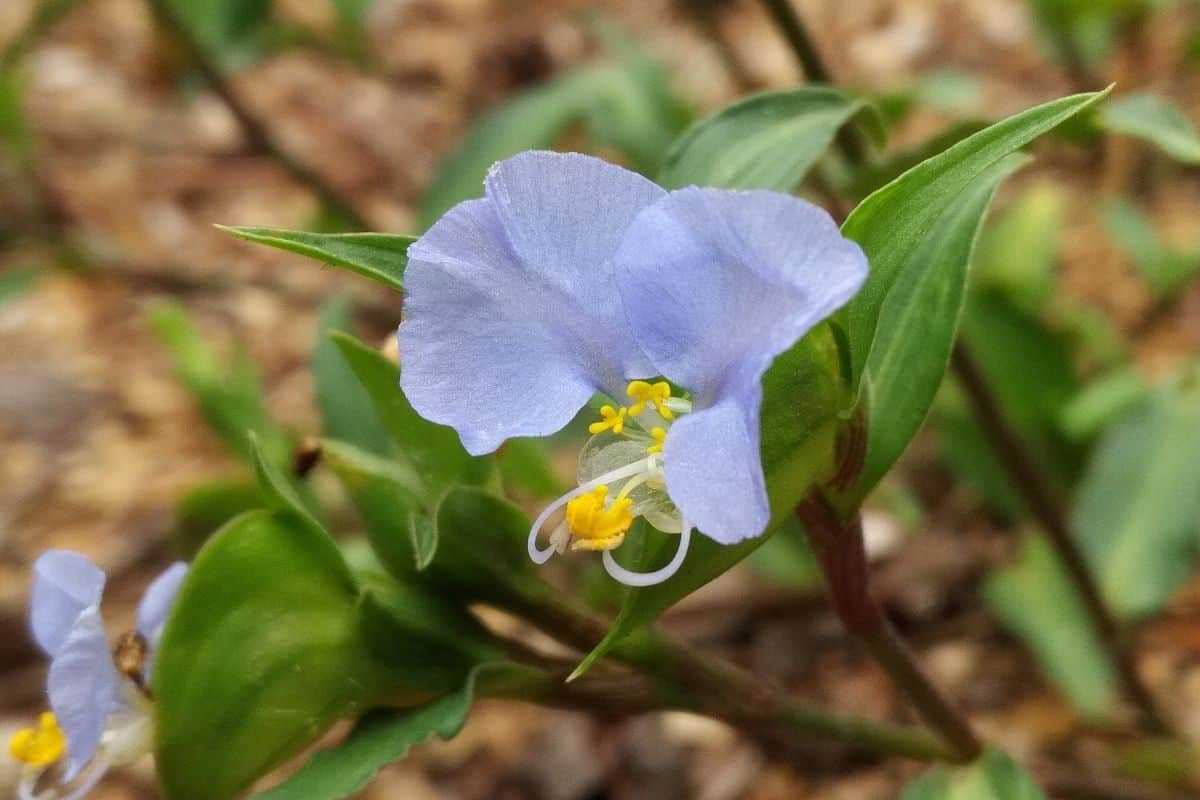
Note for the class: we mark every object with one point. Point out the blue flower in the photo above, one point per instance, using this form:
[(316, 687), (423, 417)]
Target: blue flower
[(572, 277), (101, 709)]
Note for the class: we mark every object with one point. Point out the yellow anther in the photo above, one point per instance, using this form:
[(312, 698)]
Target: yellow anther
[(659, 435), (656, 393), (40, 746), (594, 526), (609, 418)]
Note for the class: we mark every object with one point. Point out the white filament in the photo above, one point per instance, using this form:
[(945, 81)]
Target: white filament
[(539, 555), (641, 579)]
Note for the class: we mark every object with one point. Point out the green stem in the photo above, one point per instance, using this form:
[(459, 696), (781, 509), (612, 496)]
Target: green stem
[(687, 679), (841, 554)]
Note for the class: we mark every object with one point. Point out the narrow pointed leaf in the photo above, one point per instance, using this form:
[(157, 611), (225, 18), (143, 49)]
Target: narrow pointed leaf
[(892, 223), (917, 325), (381, 257)]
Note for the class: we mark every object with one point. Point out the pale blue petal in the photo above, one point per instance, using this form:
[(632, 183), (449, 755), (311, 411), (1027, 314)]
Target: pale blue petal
[(156, 602), (64, 584), (82, 686), (714, 474), (512, 319), (716, 284)]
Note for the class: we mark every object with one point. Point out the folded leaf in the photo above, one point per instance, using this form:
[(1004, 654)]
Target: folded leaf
[(261, 653), (346, 409), (917, 325)]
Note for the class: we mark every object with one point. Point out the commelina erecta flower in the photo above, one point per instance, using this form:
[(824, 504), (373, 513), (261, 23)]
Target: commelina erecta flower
[(101, 708), (573, 277)]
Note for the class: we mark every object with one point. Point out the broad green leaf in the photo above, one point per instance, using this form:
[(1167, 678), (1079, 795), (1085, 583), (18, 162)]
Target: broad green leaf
[(993, 776), (434, 450), (261, 653), (892, 223), (917, 324), (388, 495), (638, 113), (381, 257), (1138, 511), (1146, 116), (481, 551), (1037, 601), (802, 398), (378, 739), (532, 120), (346, 411), (230, 396), (1100, 401), (1164, 269), (1017, 252), (766, 141), (206, 508), (524, 466)]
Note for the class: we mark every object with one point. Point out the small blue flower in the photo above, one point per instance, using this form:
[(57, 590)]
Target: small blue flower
[(573, 276), (102, 714)]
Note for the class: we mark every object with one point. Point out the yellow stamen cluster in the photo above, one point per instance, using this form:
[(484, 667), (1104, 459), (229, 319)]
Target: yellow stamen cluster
[(40, 746), (643, 393), (659, 435), (595, 527), (610, 417)]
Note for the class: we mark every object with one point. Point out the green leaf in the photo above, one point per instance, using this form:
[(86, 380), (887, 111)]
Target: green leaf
[(435, 450), (524, 466), (346, 410), (376, 741), (1146, 116), (801, 401), (1164, 269), (228, 30), (381, 257), (917, 325), (1101, 401), (1037, 601), (17, 283), (207, 507), (1138, 511), (261, 653), (278, 490), (481, 551), (892, 223), (993, 776), (388, 495), (230, 396), (765, 141), (869, 177), (627, 105), (1018, 252)]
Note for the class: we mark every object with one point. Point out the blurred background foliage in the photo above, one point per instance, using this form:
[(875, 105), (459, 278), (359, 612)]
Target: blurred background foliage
[(128, 128)]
